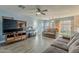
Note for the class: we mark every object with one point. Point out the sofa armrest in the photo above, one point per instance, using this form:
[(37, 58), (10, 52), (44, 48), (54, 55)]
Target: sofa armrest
[(60, 44), (53, 49)]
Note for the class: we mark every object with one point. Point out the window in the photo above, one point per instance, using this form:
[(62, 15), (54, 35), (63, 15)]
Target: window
[(48, 25)]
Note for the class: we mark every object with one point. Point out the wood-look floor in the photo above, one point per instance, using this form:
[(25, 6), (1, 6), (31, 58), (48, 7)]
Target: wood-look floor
[(32, 45)]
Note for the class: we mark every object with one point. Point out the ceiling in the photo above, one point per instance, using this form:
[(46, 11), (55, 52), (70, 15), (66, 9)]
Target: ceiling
[(53, 10)]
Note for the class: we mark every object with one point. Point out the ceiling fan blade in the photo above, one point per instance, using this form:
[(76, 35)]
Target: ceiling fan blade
[(38, 9), (21, 6), (45, 10), (43, 13)]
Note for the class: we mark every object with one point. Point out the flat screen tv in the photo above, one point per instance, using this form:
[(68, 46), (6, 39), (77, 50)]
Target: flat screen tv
[(10, 25)]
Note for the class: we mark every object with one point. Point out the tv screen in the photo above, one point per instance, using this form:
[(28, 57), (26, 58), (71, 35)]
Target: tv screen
[(12, 30), (10, 25)]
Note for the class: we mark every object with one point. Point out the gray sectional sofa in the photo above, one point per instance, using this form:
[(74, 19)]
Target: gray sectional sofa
[(61, 45)]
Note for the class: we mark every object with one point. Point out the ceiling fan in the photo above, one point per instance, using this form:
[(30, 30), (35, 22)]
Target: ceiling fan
[(39, 11)]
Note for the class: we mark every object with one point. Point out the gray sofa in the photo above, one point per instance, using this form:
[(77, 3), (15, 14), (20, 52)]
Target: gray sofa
[(61, 45)]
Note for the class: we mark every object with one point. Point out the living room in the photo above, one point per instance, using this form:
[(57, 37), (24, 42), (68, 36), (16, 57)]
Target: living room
[(39, 29)]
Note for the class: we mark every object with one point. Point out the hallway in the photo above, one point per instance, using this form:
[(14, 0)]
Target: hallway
[(32, 45)]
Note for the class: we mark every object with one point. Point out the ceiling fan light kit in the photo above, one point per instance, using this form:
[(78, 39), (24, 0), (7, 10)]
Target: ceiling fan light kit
[(38, 13)]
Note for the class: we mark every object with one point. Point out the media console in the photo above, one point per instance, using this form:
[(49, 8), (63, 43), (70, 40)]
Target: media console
[(15, 36)]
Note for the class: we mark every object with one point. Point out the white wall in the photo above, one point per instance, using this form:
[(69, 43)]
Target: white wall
[(16, 16)]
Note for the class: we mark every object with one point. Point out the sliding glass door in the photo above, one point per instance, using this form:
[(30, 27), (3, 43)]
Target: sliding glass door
[(66, 28)]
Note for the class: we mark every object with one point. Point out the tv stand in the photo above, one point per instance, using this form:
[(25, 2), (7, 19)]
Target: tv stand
[(15, 36)]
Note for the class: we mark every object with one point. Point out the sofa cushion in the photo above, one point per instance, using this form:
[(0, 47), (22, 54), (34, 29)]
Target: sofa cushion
[(60, 45), (73, 34), (75, 44), (73, 40), (53, 49)]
